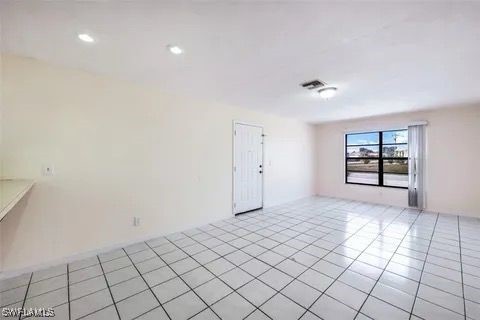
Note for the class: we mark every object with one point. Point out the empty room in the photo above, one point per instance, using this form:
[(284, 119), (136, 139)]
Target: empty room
[(173, 160)]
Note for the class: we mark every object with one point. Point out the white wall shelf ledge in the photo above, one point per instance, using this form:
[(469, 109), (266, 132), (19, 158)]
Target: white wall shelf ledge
[(11, 192)]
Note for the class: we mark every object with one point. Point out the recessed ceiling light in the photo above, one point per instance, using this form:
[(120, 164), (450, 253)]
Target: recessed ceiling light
[(85, 37), (175, 49), (327, 93)]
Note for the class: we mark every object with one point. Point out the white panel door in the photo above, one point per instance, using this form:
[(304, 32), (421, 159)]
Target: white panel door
[(247, 168)]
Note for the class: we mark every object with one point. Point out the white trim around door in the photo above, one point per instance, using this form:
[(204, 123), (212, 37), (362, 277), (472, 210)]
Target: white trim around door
[(248, 168)]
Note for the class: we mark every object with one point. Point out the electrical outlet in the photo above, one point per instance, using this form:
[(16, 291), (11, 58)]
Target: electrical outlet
[(48, 170), (136, 221)]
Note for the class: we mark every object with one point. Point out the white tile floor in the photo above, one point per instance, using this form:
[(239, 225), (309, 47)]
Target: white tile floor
[(317, 258)]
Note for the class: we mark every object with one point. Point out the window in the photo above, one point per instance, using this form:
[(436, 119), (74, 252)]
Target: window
[(377, 158)]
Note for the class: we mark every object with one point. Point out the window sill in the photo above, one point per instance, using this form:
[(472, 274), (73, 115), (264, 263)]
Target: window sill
[(375, 185)]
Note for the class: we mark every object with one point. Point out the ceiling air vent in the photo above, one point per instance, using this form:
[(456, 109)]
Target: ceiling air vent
[(314, 84), (324, 91)]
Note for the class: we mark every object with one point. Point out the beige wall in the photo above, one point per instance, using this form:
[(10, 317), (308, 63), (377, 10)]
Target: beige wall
[(122, 150), (1, 154), (452, 155)]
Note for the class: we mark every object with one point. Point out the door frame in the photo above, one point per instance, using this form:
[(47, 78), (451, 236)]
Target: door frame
[(234, 123)]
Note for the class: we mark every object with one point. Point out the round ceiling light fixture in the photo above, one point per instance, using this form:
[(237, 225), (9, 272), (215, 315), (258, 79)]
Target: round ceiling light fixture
[(327, 93), (174, 49), (85, 37)]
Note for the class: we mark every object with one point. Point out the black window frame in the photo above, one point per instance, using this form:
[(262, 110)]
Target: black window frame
[(380, 157)]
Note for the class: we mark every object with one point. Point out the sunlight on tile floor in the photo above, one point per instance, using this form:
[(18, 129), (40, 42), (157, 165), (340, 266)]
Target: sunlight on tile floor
[(317, 258)]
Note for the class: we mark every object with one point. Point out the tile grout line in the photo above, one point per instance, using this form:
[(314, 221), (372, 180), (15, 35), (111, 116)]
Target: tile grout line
[(328, 252), (237, 236), (148, 286), (307, 218), (301, 250), (106, 307), (169, 241), (252, 257), (353, 260), (218, 278), (191, 289), (68, 293), (250, 232), (220, 256), (423, 268), (386, 265), (334, 279), (108, 286), (461, 268), (49, 278), (328, 219), (26, 294), (88, 294), (433, 263)]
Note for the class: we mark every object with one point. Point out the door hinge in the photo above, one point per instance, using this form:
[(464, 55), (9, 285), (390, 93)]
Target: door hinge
[(235, 132), (234, 205), (234, 169)]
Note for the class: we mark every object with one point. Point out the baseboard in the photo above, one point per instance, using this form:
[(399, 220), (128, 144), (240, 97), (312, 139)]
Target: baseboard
[(86, 254), (269, 204)]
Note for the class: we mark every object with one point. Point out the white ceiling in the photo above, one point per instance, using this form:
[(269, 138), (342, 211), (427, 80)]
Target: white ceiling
[(385, 57)]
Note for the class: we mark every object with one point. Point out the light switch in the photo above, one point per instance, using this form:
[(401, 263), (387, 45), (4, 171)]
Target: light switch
[(136, 221)]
